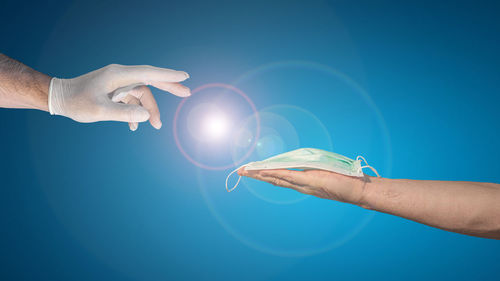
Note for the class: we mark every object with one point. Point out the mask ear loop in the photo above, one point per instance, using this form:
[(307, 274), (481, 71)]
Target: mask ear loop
[(227, 179), (367, 166)]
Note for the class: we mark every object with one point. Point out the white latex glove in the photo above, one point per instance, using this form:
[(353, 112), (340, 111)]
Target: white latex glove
[(115, 93)]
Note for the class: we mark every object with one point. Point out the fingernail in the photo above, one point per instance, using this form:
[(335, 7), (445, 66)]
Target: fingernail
[(133, 127), (158, 125)]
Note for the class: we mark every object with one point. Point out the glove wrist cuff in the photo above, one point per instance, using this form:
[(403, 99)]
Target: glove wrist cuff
[(55, 97)]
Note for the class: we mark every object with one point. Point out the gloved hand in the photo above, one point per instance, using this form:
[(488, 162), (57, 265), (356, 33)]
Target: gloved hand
[(115, 93)]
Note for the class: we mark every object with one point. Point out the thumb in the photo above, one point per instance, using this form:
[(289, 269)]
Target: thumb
[(124, 112)]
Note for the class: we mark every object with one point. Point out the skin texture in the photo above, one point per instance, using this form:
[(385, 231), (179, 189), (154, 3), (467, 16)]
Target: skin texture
[(90, 97), (464, 207), (22, 86)]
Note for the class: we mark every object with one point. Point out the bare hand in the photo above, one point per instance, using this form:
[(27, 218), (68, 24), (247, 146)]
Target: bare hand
[(318, 183)]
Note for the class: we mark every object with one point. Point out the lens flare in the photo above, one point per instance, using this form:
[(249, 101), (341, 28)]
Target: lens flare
[(283, 128), (215, 126), (211, 121)]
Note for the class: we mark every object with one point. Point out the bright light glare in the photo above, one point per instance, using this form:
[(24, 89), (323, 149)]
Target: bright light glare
[(215, 126)]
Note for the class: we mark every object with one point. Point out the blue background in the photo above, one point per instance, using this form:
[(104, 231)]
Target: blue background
[(97, 202)]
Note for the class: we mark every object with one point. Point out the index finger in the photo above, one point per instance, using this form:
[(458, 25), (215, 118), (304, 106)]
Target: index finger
[(124, 75)]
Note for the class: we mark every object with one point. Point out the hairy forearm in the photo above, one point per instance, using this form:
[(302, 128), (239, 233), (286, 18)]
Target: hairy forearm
[(464, 207), (22, 86)]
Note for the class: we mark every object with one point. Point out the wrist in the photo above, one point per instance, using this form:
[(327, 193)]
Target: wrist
[(41, 92), (53, 104), (57, 91), (365, 186)]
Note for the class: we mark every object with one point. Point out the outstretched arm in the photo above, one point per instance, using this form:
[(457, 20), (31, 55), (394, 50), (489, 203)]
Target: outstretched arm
[(22, 86), (112, 93), (465, 207)]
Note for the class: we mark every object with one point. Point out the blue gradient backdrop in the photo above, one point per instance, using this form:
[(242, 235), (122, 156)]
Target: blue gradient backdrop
[(97, 202)]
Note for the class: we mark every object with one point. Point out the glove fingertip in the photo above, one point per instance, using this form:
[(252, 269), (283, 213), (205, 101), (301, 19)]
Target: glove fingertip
[(178, 76), (156, 124)]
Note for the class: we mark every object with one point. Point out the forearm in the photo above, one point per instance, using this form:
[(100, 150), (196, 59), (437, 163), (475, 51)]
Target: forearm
[(22, 86), (464, 207)]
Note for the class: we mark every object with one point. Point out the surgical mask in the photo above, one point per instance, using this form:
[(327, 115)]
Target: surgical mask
[(308, 159)]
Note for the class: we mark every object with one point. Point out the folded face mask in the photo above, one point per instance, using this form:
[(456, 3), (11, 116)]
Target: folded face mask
[(308, 159)]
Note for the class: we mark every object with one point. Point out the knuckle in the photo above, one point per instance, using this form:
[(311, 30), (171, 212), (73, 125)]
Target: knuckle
[(143, 88), (111, 69), (113, 66), (143, 91), (108, 75)]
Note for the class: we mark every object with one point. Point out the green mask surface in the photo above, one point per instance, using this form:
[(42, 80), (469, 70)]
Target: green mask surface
[(308, 159)]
